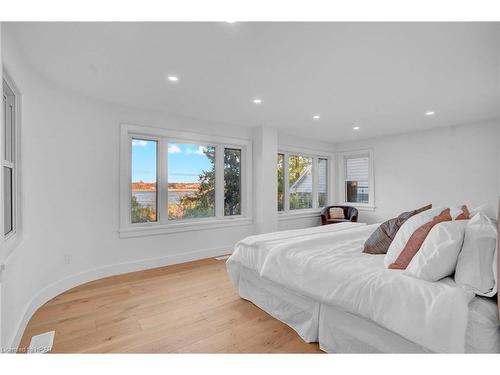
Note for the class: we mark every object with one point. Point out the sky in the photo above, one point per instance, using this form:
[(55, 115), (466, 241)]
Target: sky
[(185, 161)]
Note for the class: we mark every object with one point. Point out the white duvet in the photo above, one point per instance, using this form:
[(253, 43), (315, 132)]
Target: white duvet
[(329, 266)]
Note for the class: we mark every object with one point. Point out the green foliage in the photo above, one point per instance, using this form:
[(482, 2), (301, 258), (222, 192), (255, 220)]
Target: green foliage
[(281, 182), (142, 214), (297, 165), (202, 203), (232, 182), (300, 200)]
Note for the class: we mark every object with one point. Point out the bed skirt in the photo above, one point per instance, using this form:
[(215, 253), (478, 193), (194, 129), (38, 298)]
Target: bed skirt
[(338, 331), (335, 330), (299, 313)]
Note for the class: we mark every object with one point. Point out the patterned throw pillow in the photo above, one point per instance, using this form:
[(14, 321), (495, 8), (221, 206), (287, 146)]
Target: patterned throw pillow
[(381, 239), (336, 213), (418, 237)]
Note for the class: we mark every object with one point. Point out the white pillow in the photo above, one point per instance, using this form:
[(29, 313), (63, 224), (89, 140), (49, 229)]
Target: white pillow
[(477, 262), (486, 209), (404, 233), (437, 258)]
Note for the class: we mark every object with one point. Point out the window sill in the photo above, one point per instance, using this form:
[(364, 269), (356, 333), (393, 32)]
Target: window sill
[(158, 229), (300, 214)]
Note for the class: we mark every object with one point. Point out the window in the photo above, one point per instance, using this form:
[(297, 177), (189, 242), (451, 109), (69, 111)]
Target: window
[(232, 181), (174, 180), (302, 181), (322, 182), (281, 182), (357, 178), (9, 160), (144, 198), (191, 181)]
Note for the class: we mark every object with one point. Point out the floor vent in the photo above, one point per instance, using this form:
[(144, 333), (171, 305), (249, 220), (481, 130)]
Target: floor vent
[(42, 343)]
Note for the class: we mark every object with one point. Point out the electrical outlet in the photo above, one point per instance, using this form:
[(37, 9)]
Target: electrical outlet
[(67, 259)]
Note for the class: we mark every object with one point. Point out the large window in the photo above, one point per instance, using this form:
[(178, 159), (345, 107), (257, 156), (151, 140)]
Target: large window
[(9, 169), (357, 178), (178, 179), (302, 181)]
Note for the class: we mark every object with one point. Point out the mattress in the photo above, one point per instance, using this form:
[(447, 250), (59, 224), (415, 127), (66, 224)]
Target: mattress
[(338, 331)]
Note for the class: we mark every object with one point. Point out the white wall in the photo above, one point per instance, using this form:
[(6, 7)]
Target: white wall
[(452, 165), (265, 180)]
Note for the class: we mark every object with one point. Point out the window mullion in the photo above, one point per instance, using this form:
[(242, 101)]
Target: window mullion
[(162, 174), (286, 188), (219, 182)]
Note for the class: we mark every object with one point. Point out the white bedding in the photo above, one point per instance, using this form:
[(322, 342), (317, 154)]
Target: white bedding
[(483, 328), (252, 251), (329, 266)]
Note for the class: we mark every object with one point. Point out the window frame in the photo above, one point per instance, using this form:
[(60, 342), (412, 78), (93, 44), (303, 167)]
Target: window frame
[(163, 224), (343, 156), (287, 213), (12, 239)]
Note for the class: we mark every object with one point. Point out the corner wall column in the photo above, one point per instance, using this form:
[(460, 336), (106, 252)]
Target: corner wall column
[(265, 179)]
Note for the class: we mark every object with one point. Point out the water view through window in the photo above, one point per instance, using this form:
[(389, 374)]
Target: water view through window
[(144, 181), (188, 182), (191, 181)]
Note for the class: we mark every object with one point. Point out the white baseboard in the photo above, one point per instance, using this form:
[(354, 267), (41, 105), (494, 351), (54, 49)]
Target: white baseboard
[(53, 290)]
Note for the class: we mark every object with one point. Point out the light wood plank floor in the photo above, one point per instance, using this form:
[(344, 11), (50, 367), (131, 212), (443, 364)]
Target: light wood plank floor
[(185, 308)]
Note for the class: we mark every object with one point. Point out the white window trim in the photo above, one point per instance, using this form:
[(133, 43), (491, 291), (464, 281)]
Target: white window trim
[(13, 239), (370, 206), (315, 211), (163, 225)]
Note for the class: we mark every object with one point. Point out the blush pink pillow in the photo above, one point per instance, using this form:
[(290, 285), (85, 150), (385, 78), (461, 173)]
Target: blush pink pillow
[(418, 237)]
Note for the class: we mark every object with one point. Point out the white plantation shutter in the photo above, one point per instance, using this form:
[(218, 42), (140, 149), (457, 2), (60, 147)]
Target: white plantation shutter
[(322, 175), (357, 168)]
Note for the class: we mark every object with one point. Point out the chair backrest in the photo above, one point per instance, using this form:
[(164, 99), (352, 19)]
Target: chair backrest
[(351, 211)]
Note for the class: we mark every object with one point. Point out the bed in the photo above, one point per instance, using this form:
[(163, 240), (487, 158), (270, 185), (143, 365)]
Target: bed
[(319, 282)]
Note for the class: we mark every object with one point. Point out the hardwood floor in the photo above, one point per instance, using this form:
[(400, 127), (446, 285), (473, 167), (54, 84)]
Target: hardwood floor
[(185, 308)]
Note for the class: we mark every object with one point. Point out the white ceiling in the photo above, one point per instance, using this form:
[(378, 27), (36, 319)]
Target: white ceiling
[(384, 76)]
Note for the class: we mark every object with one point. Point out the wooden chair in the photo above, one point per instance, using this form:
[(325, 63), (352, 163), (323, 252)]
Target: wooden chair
[(350, 214)]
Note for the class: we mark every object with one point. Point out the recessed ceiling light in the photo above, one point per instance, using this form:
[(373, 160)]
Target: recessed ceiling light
[(173, 78), (430, 113), (230, 21), (257, 101), (316, 117), (356, 128)]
